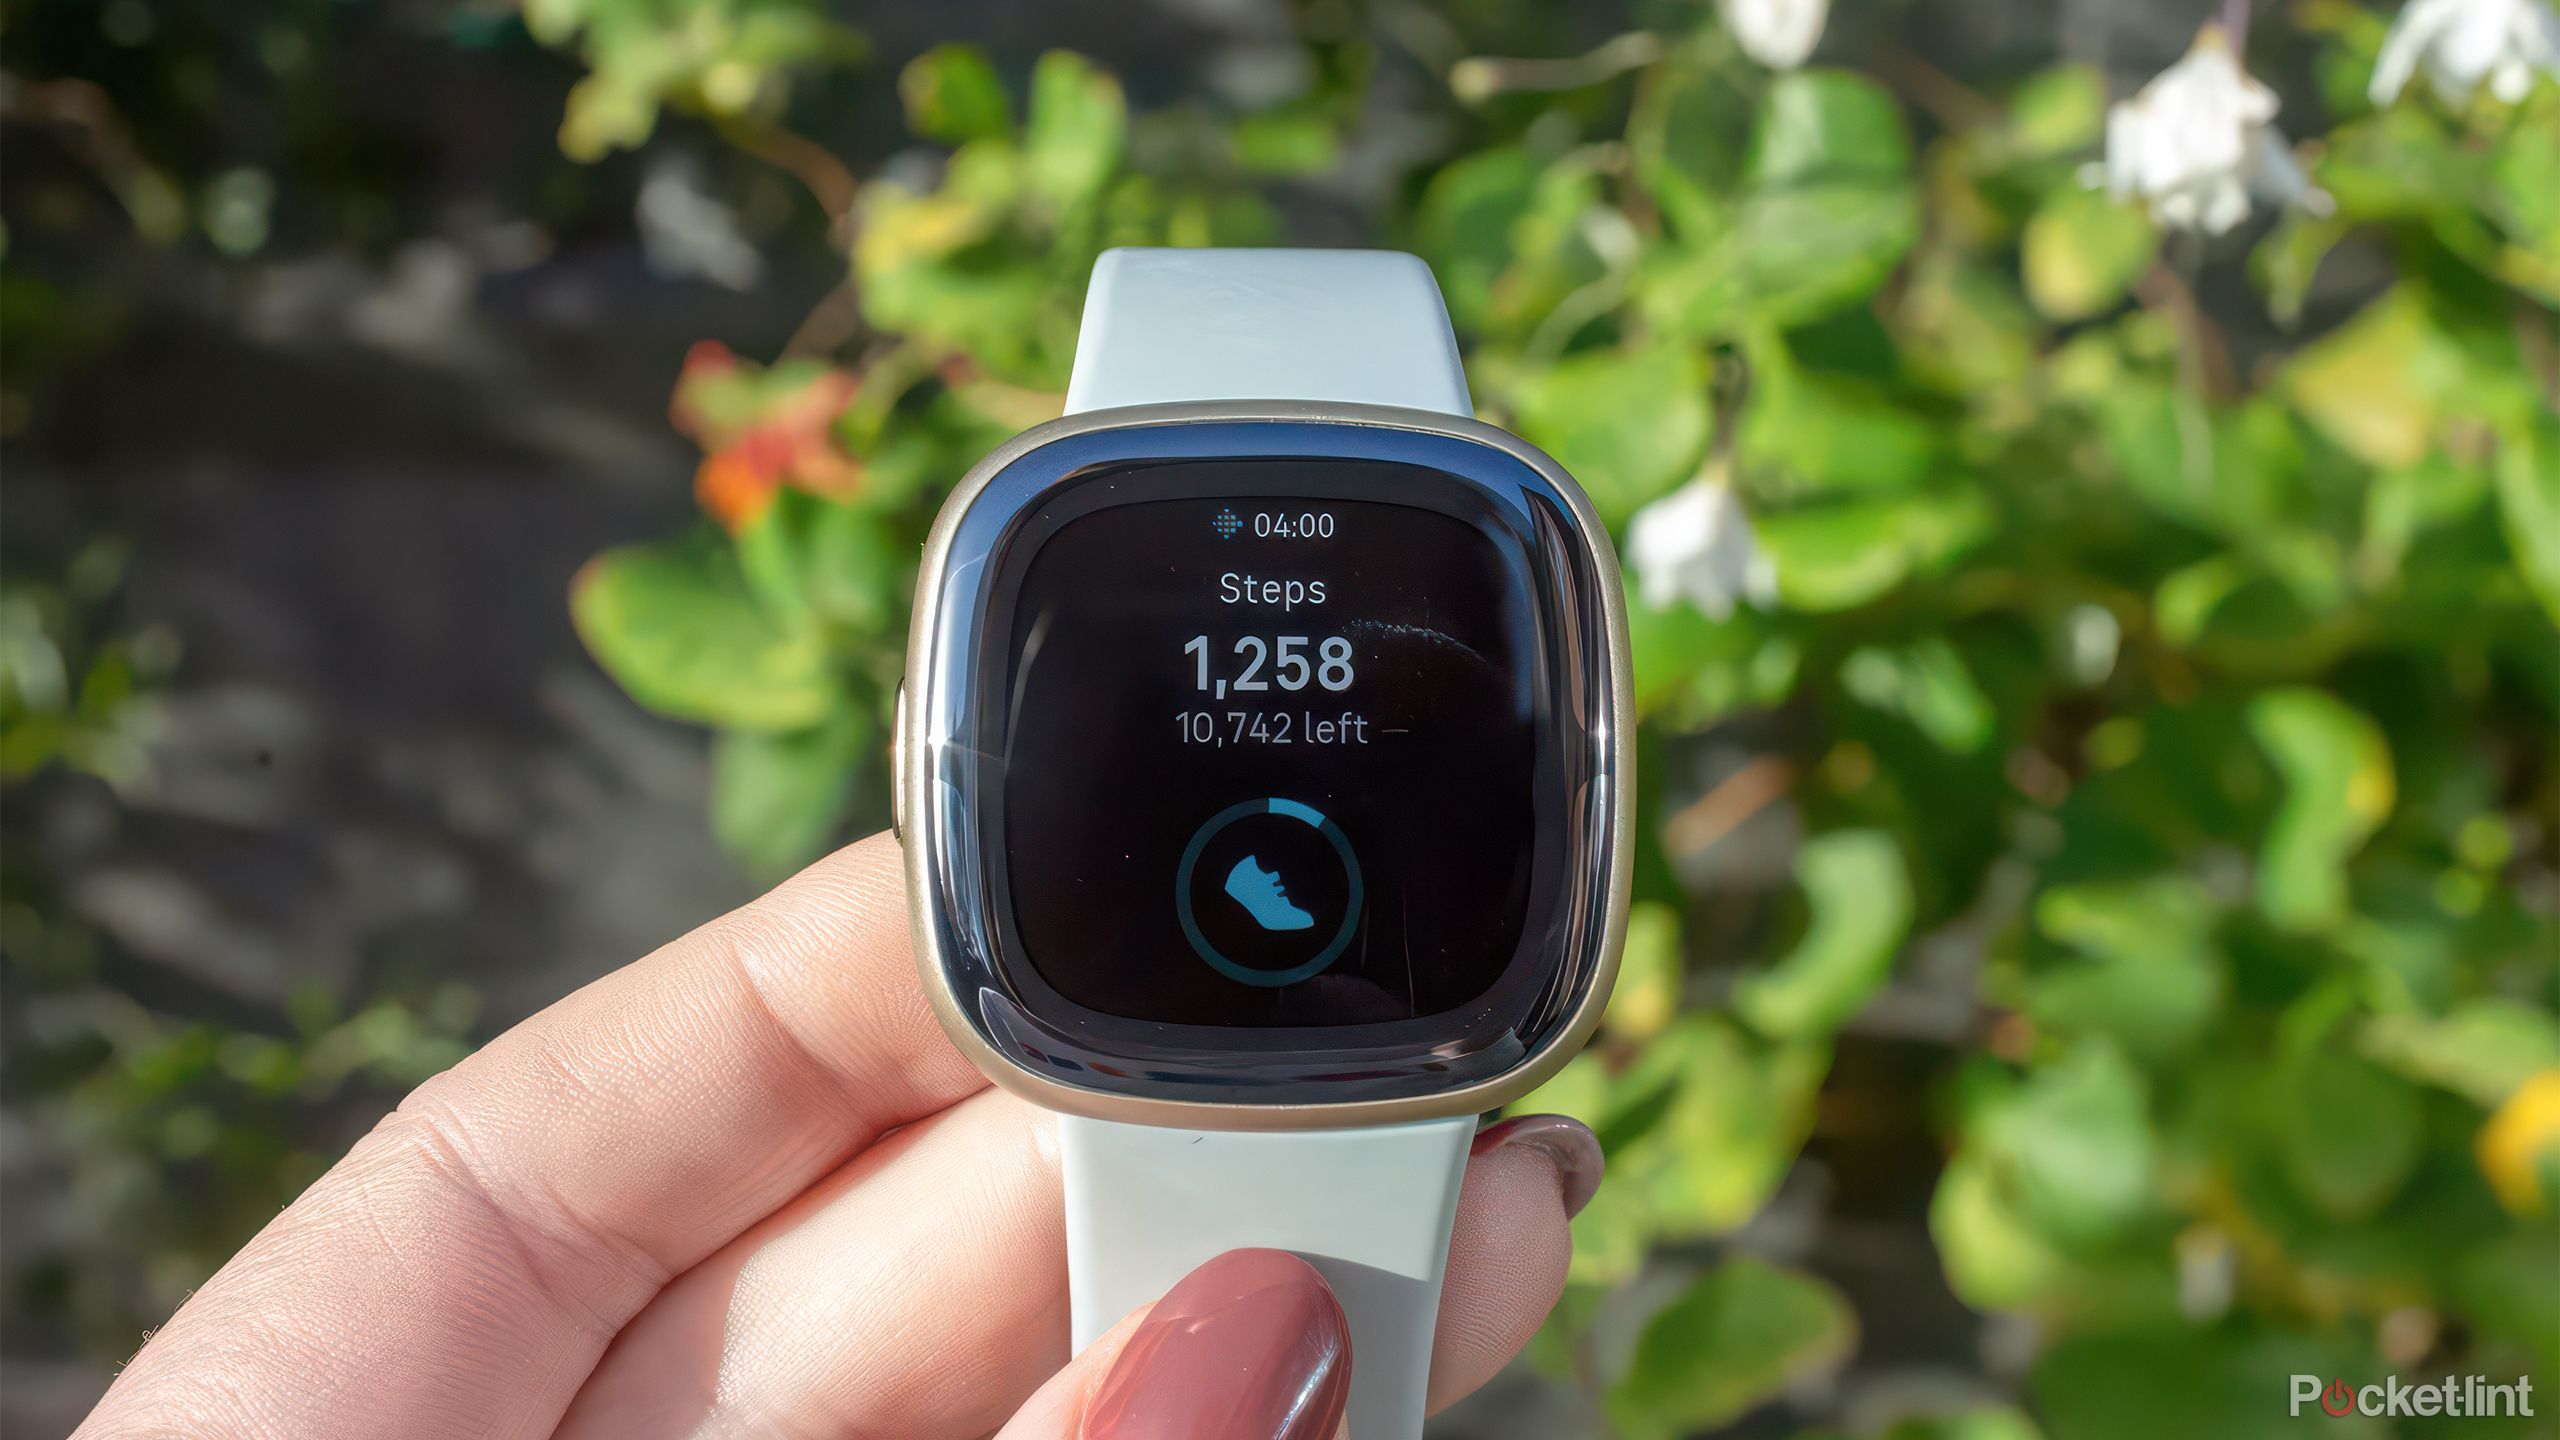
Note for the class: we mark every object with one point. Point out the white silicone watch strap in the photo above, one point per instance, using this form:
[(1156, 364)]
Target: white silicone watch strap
[(1361, 326), (1370, 1208)]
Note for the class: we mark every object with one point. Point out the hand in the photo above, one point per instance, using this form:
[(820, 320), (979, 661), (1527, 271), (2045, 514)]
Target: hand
[(747, 1187)]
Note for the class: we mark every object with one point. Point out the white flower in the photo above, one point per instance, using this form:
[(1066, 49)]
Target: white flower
[(2463, 42), (2198, 145), (1696, 543), (1777, 33)]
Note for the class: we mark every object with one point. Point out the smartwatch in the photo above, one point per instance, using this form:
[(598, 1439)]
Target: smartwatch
[(1263, 758)]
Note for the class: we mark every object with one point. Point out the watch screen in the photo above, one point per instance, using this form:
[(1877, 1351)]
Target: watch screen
[(1268, 743)]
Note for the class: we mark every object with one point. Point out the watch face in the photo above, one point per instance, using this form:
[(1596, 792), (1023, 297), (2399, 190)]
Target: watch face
[(1267, 762), (1270, 755)]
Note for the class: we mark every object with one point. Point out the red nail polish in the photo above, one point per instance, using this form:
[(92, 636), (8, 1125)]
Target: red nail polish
[(1250, 1346)]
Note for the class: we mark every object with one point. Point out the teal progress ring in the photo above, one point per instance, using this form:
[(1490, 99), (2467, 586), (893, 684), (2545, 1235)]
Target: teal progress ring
[(1306, 815)]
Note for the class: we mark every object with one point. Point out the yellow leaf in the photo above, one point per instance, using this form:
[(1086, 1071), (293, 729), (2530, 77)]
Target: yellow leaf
[(2381, 383)]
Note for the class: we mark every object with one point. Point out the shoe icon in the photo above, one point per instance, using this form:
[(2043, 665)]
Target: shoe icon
[(1258, 891)]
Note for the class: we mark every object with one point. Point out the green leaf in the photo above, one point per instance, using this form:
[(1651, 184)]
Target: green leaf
[(858, 570), (1611, 1238), (777, 798), (2348, 1132), (2529, 507), (2400, 163), (639, 57), (1926, 684), (1077, 128), (2524, 198), (2288, 260), (1819, 124), (1788, 257), (1841, 555), (2082, 250), (1704, 1125), (1831, 209), (1511, 236), (1650, 972), (1686, 138), (2402, 505), (2481, 1049), (1629, 424), (2192, 1381), (2145, 973), (2382, 384), (1738, 1336), (1463, 227), (952, 94), (554, 22), (2245, 620), (2338, 789), (2072, 1146), (769, 558), (1808, 251), (677, 626), (1860, 899), (2058, 112), (2503, 1285), (607, 111), (1690, 669), (1290, 142), (1581, 1089), (1997, 1422), (936, 268), (1833, 433), (1964, 326), (1994, 1259)]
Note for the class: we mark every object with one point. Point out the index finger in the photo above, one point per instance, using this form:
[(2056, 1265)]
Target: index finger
[(462, 1269)]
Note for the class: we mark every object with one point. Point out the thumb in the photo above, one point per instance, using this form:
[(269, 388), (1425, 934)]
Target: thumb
[(1250, 1346)]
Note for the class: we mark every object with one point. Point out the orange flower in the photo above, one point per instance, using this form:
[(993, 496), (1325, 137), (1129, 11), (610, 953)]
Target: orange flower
[(759, 436), (732, 490)]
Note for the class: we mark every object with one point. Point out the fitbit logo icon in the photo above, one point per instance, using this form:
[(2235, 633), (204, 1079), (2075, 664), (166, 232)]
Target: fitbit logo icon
[(1226, 524), (2453, 1395)]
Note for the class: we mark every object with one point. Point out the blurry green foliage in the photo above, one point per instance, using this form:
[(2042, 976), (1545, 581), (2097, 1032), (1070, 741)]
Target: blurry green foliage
[(1730, 1339), (2211, 715), (71, 692), (184, 1138), (728, 59), (180, 1138)]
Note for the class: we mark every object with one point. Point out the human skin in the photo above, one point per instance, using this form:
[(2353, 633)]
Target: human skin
[(746, 1186)]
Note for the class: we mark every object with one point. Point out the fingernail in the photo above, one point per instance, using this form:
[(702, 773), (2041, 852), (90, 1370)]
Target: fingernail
[(1251, 1346), (1561, 1138)]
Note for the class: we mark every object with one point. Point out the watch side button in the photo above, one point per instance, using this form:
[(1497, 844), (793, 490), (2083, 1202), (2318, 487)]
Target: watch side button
[(898, 766)]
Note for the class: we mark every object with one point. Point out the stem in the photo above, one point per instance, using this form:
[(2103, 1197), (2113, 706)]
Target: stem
[(1949, 101), (1736, 798), (1481, 77), (1592, 1378), (804, 160), (95, 134), (2540, 344), (1426, 36), (2235, 27), (2203, 365), (833, 321)]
